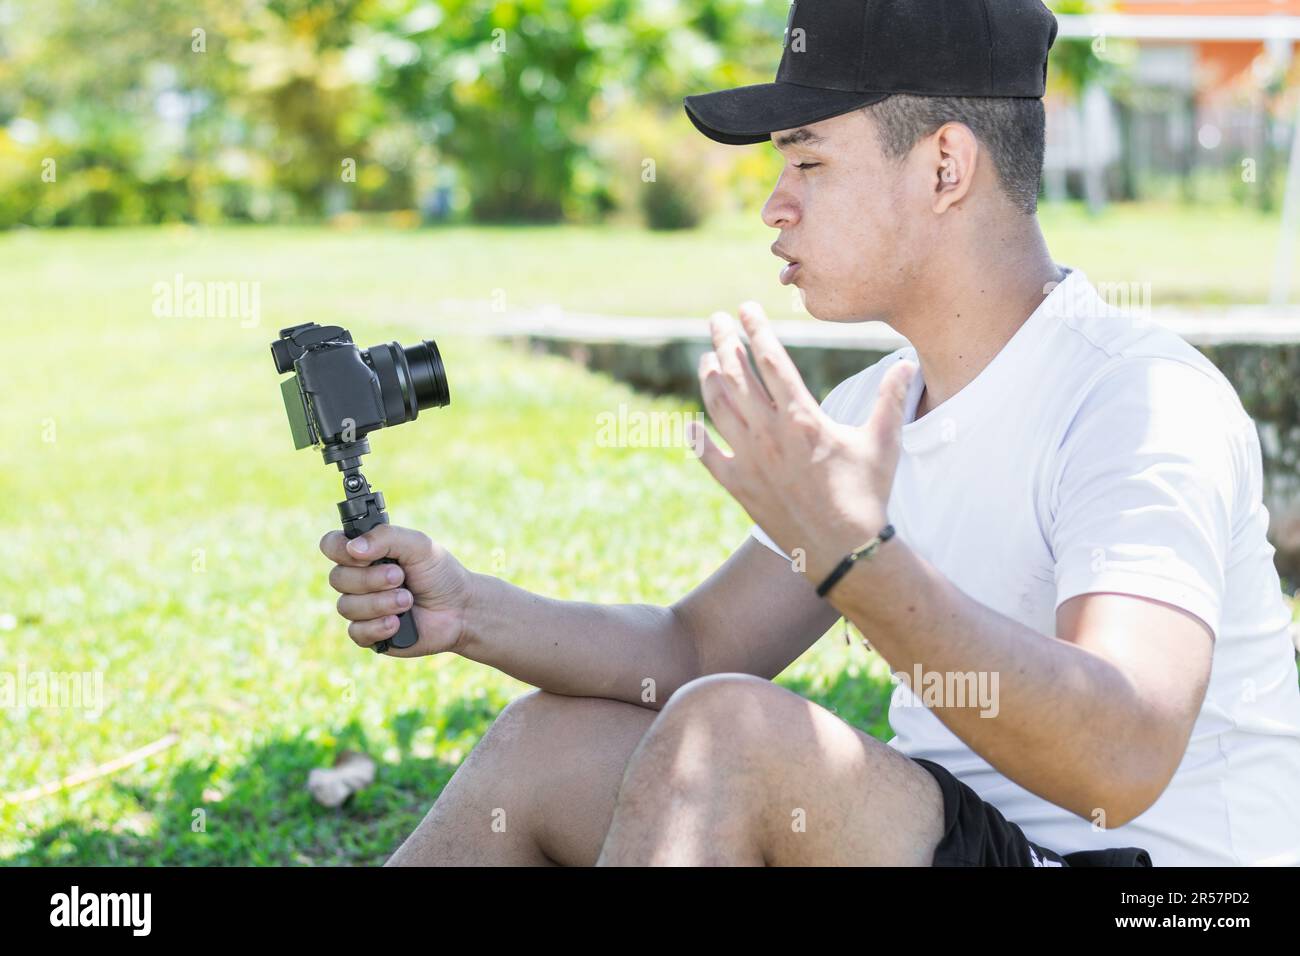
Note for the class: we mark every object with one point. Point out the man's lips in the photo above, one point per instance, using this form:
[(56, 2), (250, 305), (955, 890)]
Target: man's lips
[(792, 267)]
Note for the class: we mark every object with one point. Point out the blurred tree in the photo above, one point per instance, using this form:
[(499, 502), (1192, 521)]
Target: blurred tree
[(502, 87), (94, 98), (513, 90)]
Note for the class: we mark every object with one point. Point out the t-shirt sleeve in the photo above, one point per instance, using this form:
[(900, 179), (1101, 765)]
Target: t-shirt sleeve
[(1145, 486), (761, 536), (840, 404)]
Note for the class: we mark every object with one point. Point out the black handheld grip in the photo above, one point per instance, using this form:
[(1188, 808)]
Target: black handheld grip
[(406, 634), (356, 522)]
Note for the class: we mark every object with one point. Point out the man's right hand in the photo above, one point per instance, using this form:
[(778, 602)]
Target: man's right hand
[(372, 597)]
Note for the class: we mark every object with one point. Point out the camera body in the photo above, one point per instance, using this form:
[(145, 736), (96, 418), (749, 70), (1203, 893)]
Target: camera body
[(339, 393)]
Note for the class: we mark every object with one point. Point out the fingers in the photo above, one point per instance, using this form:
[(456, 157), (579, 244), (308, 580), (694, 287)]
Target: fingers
[(739, 403), (896, 382), (774, 363), (366, 633), (742, 385), (333, 546), (370, 597), (349, 580), (717, 402), (718, 464), (368, 607), (385, 541), (886, 420)]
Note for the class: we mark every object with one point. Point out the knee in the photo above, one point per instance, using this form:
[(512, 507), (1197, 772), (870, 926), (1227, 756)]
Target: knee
[(707, 740), (729, 713), (515, 727), (714, 697), (529, 707), (524, 715), (540, 724)]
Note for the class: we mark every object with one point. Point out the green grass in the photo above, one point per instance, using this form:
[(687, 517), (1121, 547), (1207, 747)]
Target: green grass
[(1190, 256), (170, 448), (1196, 256)]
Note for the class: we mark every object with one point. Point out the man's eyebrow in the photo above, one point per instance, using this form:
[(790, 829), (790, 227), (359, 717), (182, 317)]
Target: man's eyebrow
[(802, 135)]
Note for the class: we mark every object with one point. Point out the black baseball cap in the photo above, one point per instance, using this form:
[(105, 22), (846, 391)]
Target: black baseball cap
[(840, 55)]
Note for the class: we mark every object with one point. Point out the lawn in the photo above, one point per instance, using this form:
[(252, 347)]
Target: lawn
[(160, 530), (1191, 256)]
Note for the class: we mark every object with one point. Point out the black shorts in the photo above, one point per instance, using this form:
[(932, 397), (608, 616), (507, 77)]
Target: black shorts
[(975, 833)]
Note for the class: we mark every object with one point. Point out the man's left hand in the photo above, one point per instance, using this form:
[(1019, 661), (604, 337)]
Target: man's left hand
[(810, 482)]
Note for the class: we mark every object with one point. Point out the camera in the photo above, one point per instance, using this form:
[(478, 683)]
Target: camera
[(340, 393), (337, 395)]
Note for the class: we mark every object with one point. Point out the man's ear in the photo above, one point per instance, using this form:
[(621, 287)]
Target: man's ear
[(956, 154)]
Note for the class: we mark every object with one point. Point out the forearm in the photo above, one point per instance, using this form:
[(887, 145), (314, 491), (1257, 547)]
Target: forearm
[(1065, 723), (638, 653)]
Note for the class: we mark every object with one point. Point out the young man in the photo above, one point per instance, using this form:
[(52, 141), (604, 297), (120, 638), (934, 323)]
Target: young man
[(1055, 510)]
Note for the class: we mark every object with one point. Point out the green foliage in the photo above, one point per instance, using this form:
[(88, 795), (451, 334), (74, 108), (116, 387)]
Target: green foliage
[(256, 110), (660, 166), (674, 200), (518, 88), (204, 111), (1076, 64)]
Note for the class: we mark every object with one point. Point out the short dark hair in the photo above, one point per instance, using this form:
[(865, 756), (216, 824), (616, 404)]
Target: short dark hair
[(1013, 129)]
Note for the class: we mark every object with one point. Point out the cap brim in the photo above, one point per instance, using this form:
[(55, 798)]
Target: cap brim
[(750, 114)]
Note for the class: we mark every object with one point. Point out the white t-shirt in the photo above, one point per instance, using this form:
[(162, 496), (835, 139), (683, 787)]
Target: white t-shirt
[(1100, 452)]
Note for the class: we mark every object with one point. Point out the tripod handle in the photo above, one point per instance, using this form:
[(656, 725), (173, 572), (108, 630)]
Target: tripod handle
[(354, 527)]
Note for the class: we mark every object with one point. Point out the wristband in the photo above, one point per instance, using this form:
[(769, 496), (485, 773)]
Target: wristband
[(866, 551)]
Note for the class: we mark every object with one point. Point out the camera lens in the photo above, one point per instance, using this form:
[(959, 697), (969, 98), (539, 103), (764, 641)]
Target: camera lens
[(409, 379), (428, 378)]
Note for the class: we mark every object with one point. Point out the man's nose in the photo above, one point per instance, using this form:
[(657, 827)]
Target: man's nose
[(781, 211)]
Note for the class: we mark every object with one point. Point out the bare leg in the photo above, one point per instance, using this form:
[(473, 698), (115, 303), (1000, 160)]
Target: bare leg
[(538, 789), (738, 770)]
